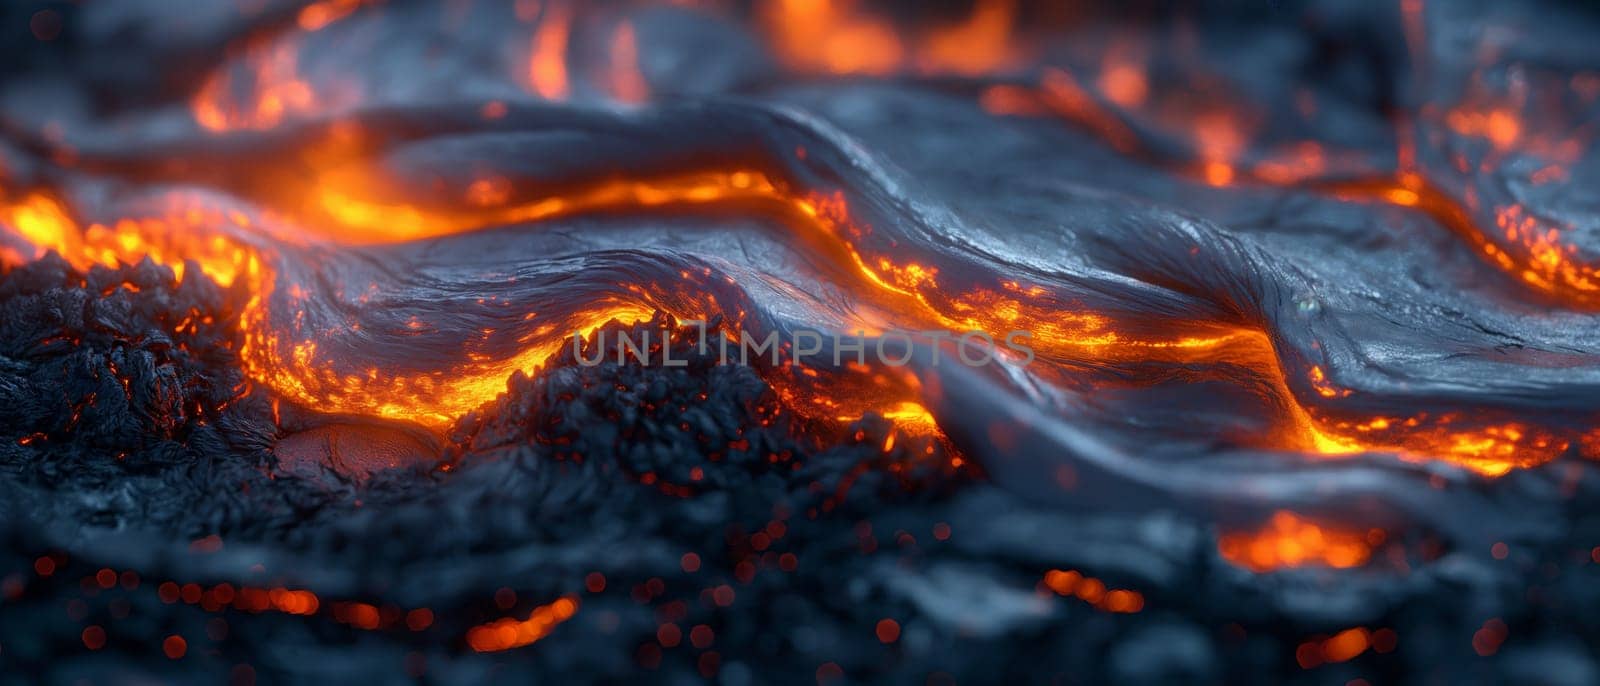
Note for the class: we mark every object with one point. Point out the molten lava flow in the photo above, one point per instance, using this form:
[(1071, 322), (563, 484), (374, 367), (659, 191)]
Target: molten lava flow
[(184, 232), (909, 296), (1529, 248), (1289, 541), (347, 209)]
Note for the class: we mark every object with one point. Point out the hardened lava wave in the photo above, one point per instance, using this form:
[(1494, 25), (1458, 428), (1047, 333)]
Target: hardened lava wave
[(1331, 306)]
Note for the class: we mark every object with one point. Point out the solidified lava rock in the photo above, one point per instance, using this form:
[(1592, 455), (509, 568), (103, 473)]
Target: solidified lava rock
[(1374, 225)]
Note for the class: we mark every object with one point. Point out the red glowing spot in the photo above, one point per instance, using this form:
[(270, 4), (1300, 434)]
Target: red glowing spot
[(208, 544), (1218, 173), (595, 582), (359, 615), (888, 630), (45, 25), (941, 531), (829, 672), (1124, 84), (1346, 645), (690, 562), (708, 664), (94, 637), (505, 598), (627, 82), (419, 619), (175, 646), (1385, 640), (509, 633), (702, 636), (44, 566), (1487, 639), (317, 15), (1499, 550), (669, 635), (489, 192)]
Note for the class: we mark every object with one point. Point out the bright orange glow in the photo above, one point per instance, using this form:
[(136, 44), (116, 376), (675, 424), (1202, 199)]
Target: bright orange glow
[(182, 233), (1124, 84), (910, 417), (980, 45), (831, 36), (315, 16), (1526, 247), (291, 363), (264, 89), (1343, 646), (1219, 139), (1500, 127), (509, 633), (350, 208), (547, 67), (839, 37), (1289, 541), (1093, 591), (627, 82)]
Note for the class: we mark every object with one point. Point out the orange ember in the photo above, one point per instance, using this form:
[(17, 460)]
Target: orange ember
[(1093, 591), (509, 633), (1289, 541)]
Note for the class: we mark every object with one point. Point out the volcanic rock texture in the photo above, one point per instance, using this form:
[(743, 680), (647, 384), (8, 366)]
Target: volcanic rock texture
[(289, 390)]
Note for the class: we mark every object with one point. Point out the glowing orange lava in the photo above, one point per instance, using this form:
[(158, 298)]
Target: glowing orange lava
[(1289, 541), (266, 86), (839, 37), (346, 208), (627, 83), (547, 67), (1093, 591), (509, 633), (907, 295)]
